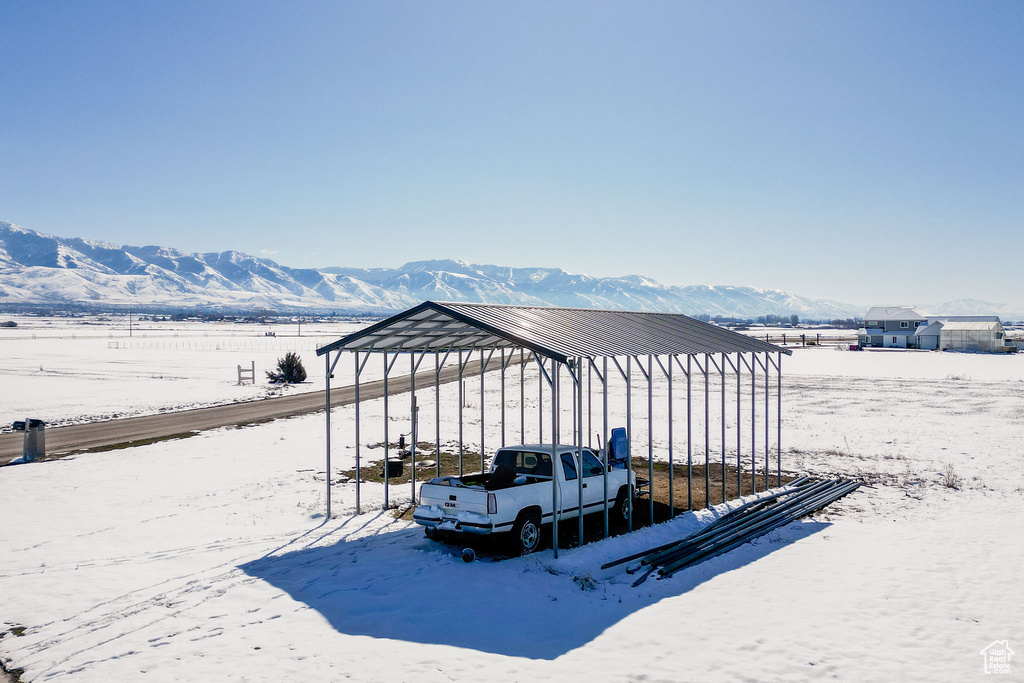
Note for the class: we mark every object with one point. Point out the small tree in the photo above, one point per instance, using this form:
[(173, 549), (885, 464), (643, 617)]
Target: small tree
[(289, 370)]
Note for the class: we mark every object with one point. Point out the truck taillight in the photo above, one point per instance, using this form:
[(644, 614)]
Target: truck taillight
[(492, 504)]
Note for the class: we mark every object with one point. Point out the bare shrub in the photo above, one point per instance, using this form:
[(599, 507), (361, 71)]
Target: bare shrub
[(951, 480)]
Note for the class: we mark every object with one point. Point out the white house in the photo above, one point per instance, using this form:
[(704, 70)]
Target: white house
[(890, 327), (904, 328)]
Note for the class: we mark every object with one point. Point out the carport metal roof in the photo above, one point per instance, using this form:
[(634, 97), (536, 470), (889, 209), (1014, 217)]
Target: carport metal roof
[(558, 333)]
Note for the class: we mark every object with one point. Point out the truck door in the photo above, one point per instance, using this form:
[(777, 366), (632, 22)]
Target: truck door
[(593, 483), (570, 489)]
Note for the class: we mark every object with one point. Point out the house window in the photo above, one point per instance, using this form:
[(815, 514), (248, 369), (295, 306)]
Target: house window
[(904, 324), (894, 340)]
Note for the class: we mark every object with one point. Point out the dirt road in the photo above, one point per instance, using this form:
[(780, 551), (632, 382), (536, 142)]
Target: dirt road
[(137, 430)]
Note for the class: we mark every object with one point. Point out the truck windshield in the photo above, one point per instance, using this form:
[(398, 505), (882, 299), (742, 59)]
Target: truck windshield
[(524, 462)]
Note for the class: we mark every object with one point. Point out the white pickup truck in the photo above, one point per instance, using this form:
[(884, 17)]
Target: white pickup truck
[(515, 497)]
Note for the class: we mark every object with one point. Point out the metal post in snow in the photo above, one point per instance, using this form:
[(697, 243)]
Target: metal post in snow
[(604, 439), (503, 398), (767, 457), (753, 422), (327, 391), (721, 371), (482, 425), (412, 428), (707, 432), (671, 462), (778, 444), (629, 435), (579, 443), (650, 438), (358, 478), (555, 517), (387, 442), (739, 406), (689, 436), (437, 411)]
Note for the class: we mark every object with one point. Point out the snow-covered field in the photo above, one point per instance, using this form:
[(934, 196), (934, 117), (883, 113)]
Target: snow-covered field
[(161, 366), (210, 558)]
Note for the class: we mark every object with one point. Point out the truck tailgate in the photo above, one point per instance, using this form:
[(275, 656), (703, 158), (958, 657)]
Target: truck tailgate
[(454, 499)]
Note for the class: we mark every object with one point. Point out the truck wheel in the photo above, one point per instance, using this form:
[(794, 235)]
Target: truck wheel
[(526, 534), (622, 504), (430, 532)]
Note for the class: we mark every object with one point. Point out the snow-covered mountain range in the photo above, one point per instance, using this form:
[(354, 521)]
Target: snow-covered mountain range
[(36, 268)]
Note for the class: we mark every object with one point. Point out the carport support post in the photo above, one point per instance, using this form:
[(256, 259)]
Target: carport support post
[(437, 411), (707, 432), (721, 371), (540, 405), (461, 399), (689, 437), (579, 442), (754, 422), (650, 438), (327, 392), (604, 439), (503, 398), (629, 436), (412, 427), (387, 445), (358, 479), (590, 403), (767, 457), (671, 464), (522, 395), (739, 405), (554, 455), (483, 367), (778, 443)]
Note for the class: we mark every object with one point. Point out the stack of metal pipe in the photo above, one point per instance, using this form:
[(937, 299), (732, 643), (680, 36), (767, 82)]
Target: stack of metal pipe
[(758, 517)]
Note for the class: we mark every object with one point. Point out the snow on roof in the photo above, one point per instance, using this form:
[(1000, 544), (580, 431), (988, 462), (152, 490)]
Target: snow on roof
[(970, 325), (965, 318), (892, 313), (931, 329)]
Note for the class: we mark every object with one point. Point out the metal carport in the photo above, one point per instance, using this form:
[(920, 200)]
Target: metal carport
[(582, 341)]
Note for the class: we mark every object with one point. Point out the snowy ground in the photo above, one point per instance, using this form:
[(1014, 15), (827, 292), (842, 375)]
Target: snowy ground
[(161, 366), (209, 558)]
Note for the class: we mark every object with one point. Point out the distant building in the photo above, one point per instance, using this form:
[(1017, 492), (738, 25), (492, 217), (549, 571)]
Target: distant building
[(890, 327), (904, 328)]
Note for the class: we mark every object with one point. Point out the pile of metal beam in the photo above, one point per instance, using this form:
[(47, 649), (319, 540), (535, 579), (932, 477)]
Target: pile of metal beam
[(742, 525)]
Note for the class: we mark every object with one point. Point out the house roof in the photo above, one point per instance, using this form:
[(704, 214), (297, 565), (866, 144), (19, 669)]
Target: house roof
[(965, 318), (559, 333), (969, 325), (931, 329), (892, 313)]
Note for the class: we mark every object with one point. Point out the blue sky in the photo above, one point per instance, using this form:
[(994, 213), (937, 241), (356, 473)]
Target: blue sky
[(869, 152)]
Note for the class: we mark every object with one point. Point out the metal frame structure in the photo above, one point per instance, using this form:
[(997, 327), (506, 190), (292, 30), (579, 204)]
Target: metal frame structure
[(580, 341)]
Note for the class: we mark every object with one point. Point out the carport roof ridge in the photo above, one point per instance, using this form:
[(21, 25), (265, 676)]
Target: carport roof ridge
[(559, 333)]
